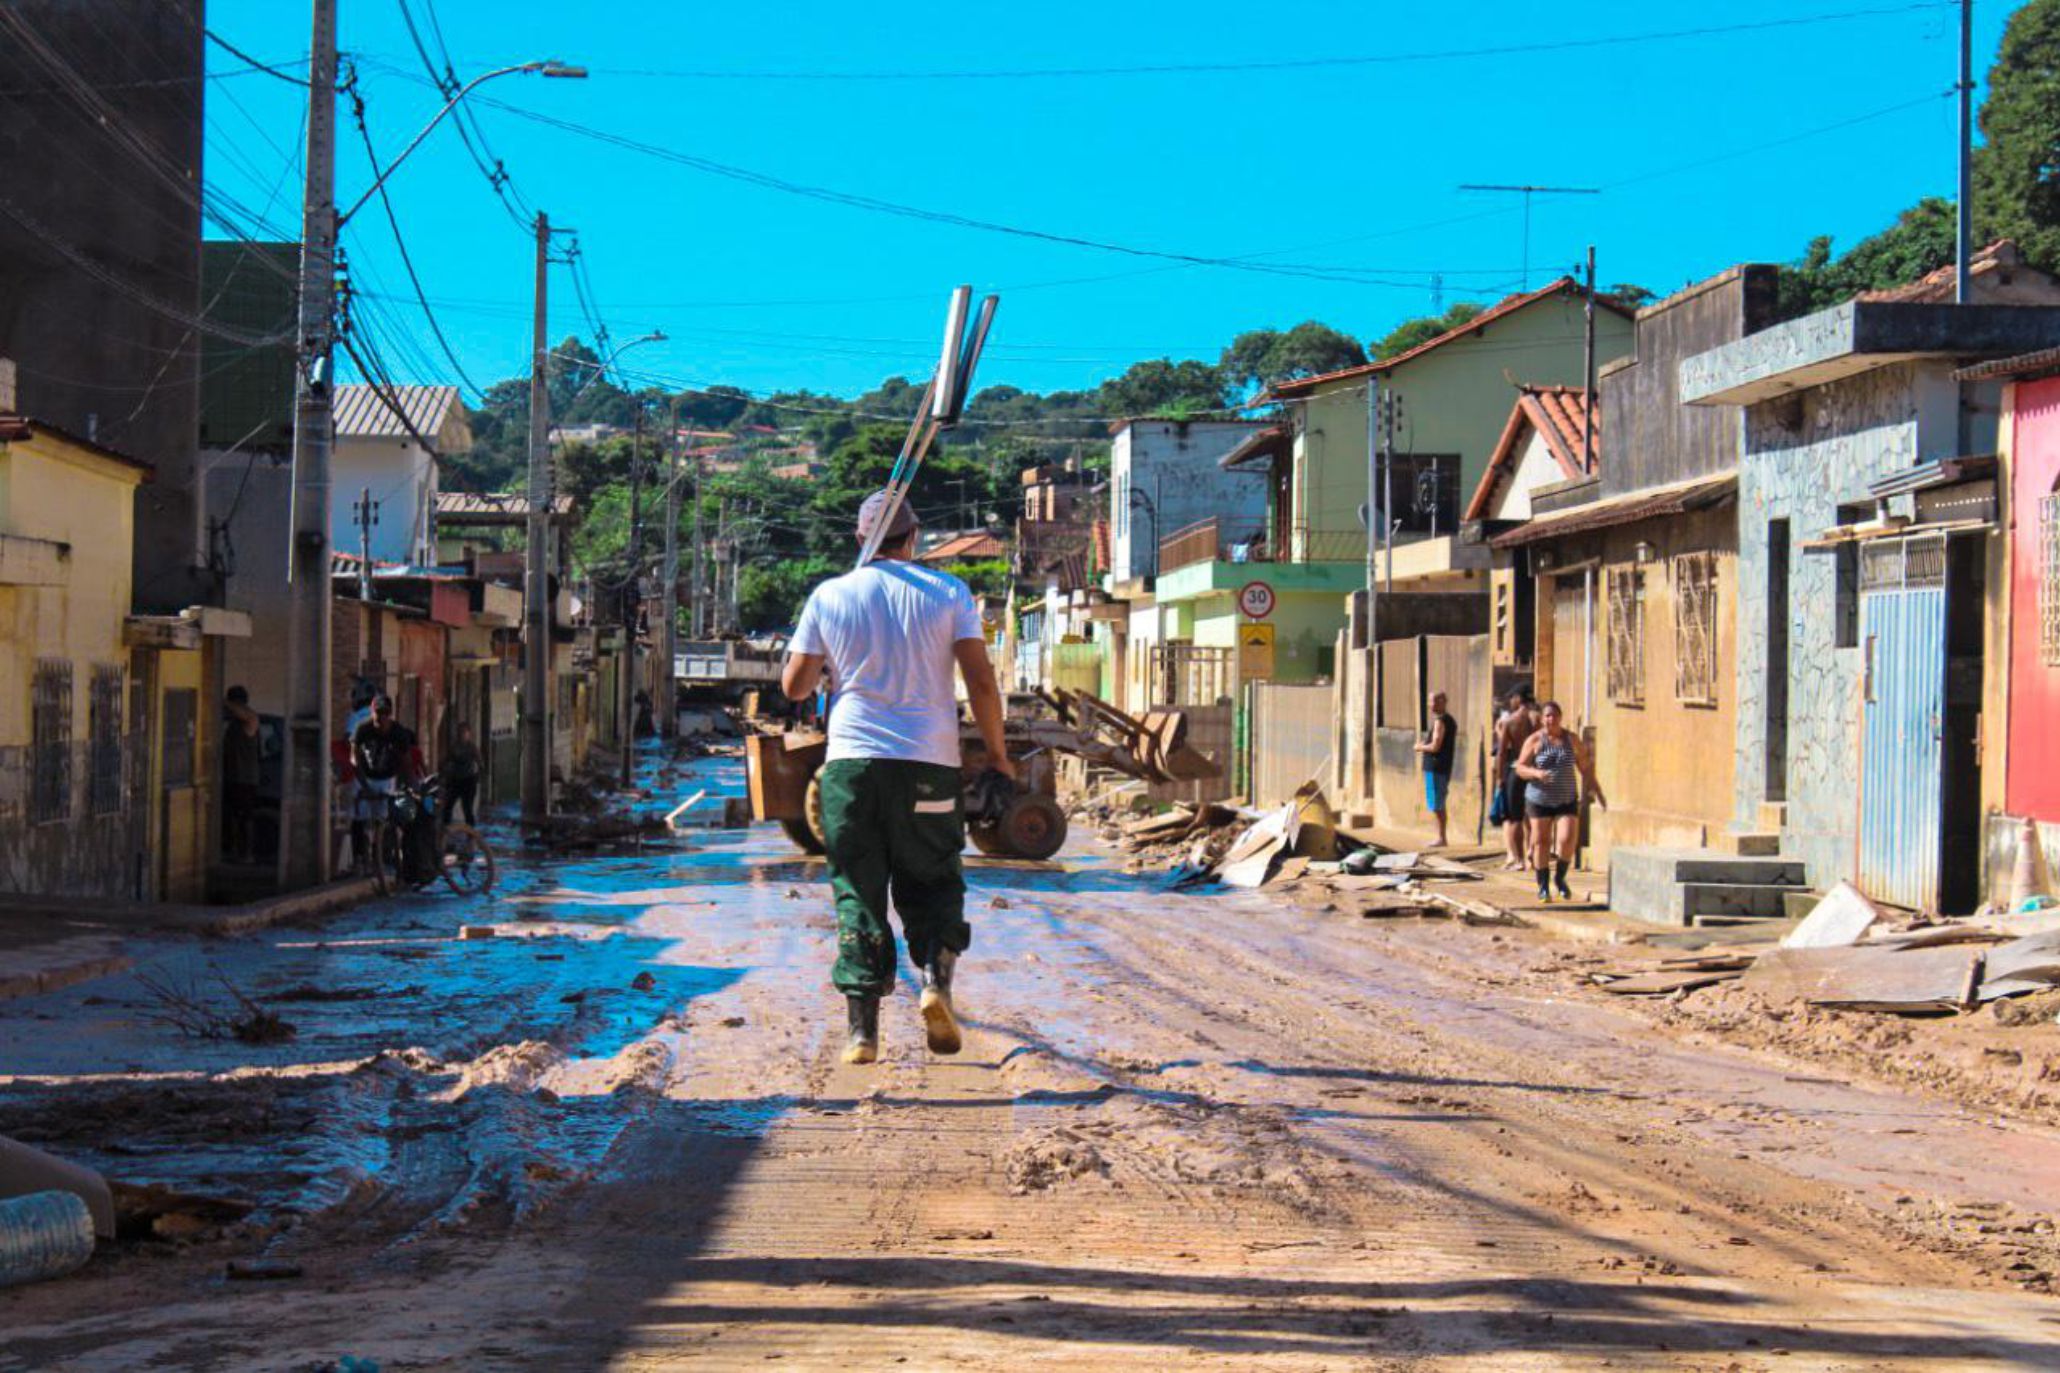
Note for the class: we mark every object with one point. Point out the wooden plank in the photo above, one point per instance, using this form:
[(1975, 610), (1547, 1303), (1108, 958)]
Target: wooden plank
[(1662, 983), (1862, 978), (1841, 918)]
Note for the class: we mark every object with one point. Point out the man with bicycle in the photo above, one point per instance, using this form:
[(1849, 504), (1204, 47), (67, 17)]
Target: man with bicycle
[(384, 752)]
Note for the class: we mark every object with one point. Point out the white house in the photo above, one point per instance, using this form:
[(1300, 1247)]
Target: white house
[(1165, 475), (388, 440)]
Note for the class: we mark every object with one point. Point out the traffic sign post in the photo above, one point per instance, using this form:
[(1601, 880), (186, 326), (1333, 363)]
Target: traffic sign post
[(1256, 600)]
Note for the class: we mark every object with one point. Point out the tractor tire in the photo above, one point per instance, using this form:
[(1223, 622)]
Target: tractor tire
[(802, 836), (1033, 827), (987, 838)]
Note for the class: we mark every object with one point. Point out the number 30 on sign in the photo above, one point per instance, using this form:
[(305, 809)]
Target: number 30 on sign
[(1256, 600)]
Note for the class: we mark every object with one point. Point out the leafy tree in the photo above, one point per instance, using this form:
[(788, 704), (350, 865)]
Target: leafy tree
[(1259, 357), (1423, 329), (2017, 170), (988, 577), (770, 591), (1165, 389), (1920, 241)]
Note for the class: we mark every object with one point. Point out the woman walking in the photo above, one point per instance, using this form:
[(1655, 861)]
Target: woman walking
[(1551, 763)]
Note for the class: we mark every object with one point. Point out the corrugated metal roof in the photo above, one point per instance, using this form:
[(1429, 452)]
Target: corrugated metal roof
[(362, 412), (461, 504)]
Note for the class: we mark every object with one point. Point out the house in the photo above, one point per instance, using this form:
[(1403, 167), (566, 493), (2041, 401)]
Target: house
[(979, 546), (1868, 551), (1619, 589), (107, 774), (2020, 761), (388, 440)]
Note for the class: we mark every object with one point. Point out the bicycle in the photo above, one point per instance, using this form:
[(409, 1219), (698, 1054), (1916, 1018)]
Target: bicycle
[(463, 859)]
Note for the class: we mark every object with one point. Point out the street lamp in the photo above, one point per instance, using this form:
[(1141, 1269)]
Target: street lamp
[(555, 69)]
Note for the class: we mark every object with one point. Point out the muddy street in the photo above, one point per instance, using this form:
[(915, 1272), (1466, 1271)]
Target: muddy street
[(1187, 1130)]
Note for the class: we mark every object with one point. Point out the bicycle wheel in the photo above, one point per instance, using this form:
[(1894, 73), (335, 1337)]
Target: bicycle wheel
[(386, 858), (468, 861)]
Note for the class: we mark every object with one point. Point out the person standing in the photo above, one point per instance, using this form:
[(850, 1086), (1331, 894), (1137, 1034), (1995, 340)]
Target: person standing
[(1438, 749), (242, 759), (1512, 731), (461, 774), (1552, 764), (889, 636)]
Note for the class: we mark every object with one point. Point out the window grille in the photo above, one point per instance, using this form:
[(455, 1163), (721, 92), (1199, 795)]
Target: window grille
[(1627, 635), (50, 787), (105, 725), (2049, 580), (1695, 628)]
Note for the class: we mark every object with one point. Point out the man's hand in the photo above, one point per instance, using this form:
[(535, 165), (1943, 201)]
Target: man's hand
[(984, 695)]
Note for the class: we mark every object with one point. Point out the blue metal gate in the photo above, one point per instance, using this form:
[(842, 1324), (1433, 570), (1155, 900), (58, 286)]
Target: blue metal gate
[(1903, 635)]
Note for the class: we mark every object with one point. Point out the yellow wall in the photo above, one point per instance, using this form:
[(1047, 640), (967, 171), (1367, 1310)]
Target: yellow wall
[(54, 490), (179, 815)]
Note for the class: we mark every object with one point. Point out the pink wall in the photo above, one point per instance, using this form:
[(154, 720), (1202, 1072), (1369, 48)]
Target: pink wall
[(2032, 783)]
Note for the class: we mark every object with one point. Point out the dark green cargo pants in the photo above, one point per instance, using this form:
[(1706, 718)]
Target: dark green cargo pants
[(893, 827)]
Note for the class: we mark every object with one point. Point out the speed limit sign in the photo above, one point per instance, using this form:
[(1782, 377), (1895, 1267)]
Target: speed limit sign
[(1256, 600)]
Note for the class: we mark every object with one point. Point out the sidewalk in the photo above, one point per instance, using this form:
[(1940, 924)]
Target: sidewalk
[(49, 942), (1587, 919)]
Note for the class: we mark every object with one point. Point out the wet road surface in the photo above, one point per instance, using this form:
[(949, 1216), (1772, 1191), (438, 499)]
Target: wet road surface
[(1187, 1130)]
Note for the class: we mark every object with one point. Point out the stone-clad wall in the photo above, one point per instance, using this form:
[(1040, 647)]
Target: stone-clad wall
[(1801, 460)]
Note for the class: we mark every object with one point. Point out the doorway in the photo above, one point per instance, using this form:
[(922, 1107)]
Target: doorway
[(1775, 695)]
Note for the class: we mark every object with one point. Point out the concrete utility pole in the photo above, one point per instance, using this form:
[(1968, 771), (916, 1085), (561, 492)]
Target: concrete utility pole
[(694, 598), (1964, 241), (628, 688), (304, 857), (367, 513), (668, 636), (1373, 505), (1588, 374), (536, 609)]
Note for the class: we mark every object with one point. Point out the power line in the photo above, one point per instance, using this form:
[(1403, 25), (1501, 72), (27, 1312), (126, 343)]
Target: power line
[(1243, 67), (275, 70)]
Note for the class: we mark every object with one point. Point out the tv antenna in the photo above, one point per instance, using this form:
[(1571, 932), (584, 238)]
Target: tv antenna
[(1527, 191)]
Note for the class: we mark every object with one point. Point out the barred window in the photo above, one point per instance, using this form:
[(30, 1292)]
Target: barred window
[(105, 787), (1695, 628), (50, 786), (2049, 580), (1627, 635)]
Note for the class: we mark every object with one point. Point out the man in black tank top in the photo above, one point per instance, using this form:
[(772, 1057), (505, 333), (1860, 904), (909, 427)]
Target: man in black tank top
[(1438, 750)]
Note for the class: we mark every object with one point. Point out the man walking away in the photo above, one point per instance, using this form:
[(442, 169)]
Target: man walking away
[(461, 774), (241, 760), (1438, 751), (889, 635), (1512, 732)]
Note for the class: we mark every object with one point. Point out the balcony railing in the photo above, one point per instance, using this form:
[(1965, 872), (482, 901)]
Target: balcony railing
[(1218, 540)]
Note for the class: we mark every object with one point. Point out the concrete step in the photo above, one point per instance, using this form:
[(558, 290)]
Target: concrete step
[(1761, 901), (1706, 865), (1773, 816), (1752, 843)]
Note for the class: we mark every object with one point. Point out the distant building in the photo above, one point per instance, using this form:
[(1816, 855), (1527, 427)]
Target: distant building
[(388, 441)]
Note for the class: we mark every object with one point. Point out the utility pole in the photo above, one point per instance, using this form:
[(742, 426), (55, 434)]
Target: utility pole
[(1588, 375), (304, 857), (669, 594), (536, 610), (628, 689), (696, 622), (1374, 400), (1964, 229), (365, 514)]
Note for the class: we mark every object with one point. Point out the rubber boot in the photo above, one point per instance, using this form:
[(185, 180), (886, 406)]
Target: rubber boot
[(863, 1015), (940, 1022)]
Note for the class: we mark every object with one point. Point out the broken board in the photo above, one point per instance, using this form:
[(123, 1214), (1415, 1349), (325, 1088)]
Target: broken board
[(1913, 981)]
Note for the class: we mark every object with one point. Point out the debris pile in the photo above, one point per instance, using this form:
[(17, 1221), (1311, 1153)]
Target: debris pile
[(1847, 954), (1297, 846)]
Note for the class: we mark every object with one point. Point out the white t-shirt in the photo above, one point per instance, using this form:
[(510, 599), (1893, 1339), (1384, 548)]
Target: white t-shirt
[(887, 632)]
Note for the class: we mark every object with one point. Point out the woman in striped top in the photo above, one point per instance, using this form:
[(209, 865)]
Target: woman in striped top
[(1552, 762)]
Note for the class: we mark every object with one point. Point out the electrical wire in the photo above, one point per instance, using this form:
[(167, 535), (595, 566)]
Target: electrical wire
[(276, 70)]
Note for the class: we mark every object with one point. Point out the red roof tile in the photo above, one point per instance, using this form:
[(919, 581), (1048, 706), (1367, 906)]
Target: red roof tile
[(1556, 414), (1507, 306)]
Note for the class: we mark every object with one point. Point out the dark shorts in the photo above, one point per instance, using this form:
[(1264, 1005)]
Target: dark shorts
[(1538, 812), (1512, 795)]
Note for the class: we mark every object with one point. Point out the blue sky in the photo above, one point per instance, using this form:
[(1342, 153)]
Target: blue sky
[(1710, 150)]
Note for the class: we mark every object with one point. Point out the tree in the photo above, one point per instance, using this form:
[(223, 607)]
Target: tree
[(2017, 168), (1920, 241), (1258, 358), (1423, 329), (1164, 389)]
